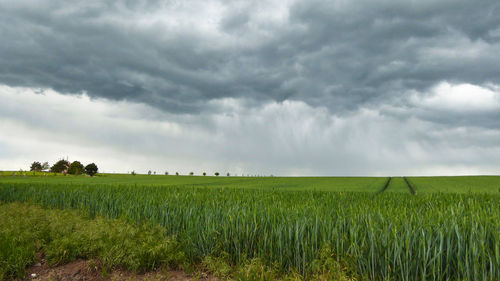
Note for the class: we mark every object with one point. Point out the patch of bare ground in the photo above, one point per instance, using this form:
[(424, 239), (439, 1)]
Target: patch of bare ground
[(90, 270)]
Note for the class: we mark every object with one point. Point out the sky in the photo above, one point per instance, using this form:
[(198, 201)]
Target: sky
[(313, 88)]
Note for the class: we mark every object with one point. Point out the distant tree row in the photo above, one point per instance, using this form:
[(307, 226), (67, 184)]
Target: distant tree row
[(64, 166), (177, 173)]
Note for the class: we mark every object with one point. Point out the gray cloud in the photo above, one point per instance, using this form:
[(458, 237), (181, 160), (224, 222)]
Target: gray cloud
[(177, 56), (284, 87), (288, 138)]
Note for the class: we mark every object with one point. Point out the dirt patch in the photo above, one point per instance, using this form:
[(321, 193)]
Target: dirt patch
[(89, 270), (78, 270)]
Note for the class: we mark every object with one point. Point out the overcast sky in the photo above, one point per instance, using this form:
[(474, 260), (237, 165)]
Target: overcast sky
[(279, 87)]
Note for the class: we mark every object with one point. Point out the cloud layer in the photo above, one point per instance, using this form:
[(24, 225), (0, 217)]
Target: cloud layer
[(177, 55), (286, 138), (283, 87)]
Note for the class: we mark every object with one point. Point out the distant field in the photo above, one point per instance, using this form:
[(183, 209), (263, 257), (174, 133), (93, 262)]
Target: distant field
[(461, 184), (303, 226), (360, 184)]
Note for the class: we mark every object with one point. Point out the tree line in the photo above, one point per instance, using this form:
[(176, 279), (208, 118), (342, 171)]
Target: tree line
[(65, 167), (204, 174), (177, 173)]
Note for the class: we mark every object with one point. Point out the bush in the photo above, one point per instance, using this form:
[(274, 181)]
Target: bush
[(216, 174)]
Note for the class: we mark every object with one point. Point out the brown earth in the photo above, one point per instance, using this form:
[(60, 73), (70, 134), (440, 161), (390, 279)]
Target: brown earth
[(88, 270)]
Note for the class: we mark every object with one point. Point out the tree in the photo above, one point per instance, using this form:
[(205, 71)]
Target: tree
[(166, 173), (216, 174), (76, 168), (191, 173), (204, 173), (176, 173), (36, 167), (228, 174), (45, 166), (91, 169), (132, 173), (60, 166), (149, 172)]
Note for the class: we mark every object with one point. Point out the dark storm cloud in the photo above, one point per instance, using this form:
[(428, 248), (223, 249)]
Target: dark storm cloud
[(339, 54)]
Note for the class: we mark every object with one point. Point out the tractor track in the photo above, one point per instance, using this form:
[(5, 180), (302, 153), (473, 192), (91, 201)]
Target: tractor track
[(413, 191), (386, 185)]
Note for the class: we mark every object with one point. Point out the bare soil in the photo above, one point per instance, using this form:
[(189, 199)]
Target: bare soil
[(90, 270)]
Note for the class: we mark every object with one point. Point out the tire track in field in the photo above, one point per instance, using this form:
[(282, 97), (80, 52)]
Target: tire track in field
[(386, 185), (410, 186)]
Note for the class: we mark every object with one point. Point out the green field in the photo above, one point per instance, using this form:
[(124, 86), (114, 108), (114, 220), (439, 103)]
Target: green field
[(460, 184), (362, 184), (303, 226), (398, 185), (464, 184)]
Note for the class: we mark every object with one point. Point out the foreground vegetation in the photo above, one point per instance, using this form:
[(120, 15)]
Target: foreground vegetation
[(363, 235), (28, 232), (64, 236)]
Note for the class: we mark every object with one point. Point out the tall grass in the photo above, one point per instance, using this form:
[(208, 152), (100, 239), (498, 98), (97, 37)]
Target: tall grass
[(393, 236)]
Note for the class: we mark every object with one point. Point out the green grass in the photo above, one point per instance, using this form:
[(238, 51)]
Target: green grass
[(463, 184), (285, 223), (28, 232), (63, 236), (398, 185), (361, 184)]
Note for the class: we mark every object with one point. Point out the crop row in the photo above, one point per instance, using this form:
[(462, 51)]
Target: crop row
[(387, 237)]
